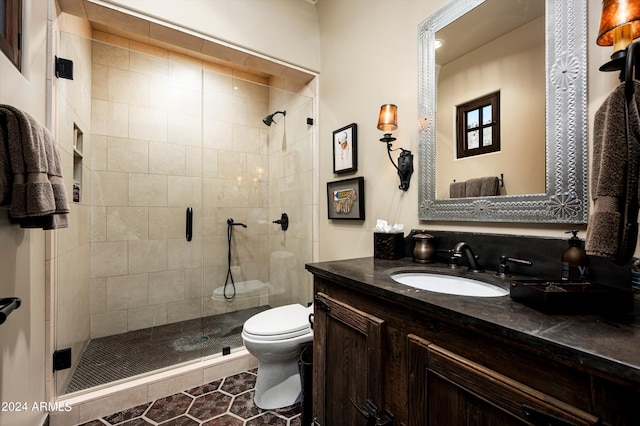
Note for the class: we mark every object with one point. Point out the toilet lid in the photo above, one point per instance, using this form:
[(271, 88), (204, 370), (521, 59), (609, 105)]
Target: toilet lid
[(289, 320)]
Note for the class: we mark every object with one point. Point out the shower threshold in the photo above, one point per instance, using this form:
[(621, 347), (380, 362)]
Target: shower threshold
[(123, 356)]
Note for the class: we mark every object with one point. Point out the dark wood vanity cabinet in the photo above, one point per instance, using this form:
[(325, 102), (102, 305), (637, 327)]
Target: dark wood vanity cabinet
[(398, 365), (348, 356)]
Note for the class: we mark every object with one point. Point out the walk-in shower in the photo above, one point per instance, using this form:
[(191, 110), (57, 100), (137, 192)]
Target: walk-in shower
[(148, 137)]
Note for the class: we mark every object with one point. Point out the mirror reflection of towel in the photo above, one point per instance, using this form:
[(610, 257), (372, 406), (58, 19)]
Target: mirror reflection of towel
[(482, 187), (457, 190)]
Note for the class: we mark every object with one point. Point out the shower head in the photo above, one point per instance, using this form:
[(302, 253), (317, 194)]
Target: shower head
[(268, 120)]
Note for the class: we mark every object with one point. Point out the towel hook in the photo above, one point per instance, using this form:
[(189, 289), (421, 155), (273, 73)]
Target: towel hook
[(629, 76)]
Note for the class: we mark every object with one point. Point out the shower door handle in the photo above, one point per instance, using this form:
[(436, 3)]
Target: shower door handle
[(189, 231)]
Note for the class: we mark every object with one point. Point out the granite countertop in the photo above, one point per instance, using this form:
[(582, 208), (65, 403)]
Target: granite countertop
[(605, 343)]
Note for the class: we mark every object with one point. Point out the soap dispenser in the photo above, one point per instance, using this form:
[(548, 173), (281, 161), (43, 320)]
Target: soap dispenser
[(575, 262)]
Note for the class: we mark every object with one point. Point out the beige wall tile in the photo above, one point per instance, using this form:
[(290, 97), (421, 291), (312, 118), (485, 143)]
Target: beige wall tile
[(218, 83), (99, 82), (209, 162), (128, 87), (246, 139), (98, 152), (193, 283), (184, 191), (127, 155), (109, 259), (147, 316), (195, 160), (147, 124), (127, 291), (113, 56), (98, 223), (217, 133), (184, 310), (232, 165), (147, 190), (166, 286), (127, 223), (167, 159), (250, 90), (109, 188), (147, 256), (185, 72), (108, 323), (184, 129), (167, 222), (109, 118), (152, 62), (184, 254), (98, 295)]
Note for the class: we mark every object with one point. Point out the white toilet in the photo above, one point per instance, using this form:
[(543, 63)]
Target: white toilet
[(276, 337)]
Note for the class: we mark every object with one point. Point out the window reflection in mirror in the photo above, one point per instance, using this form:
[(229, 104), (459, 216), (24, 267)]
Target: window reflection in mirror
[(494, 48)]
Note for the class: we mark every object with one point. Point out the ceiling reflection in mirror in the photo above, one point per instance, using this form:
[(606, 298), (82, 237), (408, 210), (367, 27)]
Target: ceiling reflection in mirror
[(533, 53)]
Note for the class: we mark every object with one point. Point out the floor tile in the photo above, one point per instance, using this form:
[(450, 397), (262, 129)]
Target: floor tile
[(225, 402)]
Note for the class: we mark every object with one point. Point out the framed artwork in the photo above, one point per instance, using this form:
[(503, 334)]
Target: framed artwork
[(345, 199), (345, 152)]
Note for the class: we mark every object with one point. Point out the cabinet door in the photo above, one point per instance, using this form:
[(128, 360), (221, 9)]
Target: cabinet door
[(347, 363), (461, 392)]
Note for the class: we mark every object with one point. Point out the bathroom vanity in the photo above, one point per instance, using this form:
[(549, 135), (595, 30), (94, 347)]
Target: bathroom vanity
[(390, 354)]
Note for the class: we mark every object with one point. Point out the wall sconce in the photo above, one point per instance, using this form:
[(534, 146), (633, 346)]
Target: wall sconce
[(387, 122), (619, 26)]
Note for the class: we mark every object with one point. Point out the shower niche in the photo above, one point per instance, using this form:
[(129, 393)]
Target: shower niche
[(167, 132)]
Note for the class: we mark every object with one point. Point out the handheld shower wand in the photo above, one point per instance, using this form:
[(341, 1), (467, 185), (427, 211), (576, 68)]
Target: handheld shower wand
[(229, 279)]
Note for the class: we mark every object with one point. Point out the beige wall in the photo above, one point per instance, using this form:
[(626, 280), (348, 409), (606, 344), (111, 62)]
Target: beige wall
[(22, 253), (369, 57)]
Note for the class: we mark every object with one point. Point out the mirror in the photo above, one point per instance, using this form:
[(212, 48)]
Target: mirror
[(562, 163)]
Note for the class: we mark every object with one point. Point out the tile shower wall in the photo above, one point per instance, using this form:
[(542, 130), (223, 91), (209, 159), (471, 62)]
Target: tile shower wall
[(170, 132), (290, 191)]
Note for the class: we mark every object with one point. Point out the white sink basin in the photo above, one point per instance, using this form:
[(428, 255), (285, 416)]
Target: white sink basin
[(449, 285)]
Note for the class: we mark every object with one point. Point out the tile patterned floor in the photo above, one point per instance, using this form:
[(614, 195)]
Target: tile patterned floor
[(225, 402)]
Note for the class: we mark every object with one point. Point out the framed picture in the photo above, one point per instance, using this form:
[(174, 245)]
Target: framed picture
[(345, 199), (345, 152)]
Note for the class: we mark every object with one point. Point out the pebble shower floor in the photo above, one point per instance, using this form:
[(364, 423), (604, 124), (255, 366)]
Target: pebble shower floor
[(225, 402)]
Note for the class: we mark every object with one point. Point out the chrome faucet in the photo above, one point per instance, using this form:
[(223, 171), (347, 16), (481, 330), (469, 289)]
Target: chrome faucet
[(472, 260)]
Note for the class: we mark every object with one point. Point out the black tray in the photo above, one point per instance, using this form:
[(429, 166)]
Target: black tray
[(571, 297)]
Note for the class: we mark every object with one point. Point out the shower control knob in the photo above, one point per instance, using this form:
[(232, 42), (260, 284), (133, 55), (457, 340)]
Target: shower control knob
[(283, 221)]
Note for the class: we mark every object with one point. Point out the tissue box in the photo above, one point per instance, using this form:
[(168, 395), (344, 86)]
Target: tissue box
[(388, 245)]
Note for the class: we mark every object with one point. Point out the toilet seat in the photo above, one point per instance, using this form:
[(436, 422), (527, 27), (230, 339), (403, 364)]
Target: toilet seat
[(284, 322)]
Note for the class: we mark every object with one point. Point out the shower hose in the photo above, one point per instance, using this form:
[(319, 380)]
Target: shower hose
[(229, 279)]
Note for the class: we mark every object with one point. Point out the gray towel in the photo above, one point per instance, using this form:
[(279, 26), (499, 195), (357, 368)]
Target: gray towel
[(30, 173), (612, 229), (482, 187), (457, 190)]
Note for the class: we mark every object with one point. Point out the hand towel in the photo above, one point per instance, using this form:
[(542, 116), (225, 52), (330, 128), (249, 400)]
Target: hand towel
[(31, 177), (457, 189), (482, 187), (612, 229)]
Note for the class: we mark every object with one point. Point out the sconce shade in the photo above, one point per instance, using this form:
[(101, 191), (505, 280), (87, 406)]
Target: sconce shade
[(619, 23), (388, 120)]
